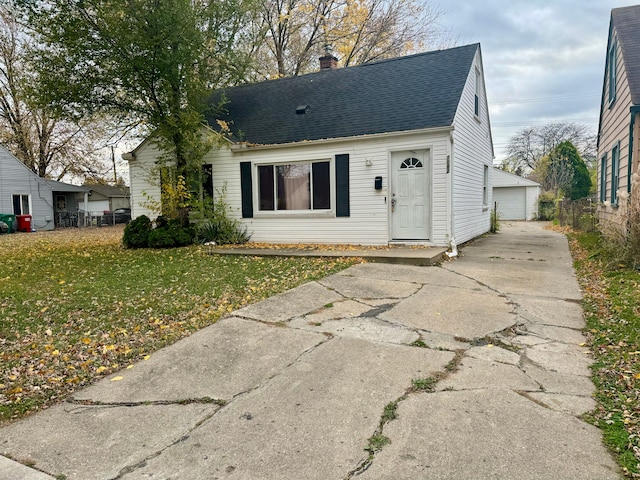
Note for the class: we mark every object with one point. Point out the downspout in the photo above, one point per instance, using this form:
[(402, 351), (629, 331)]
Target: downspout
[(635, 109), (450, 164)]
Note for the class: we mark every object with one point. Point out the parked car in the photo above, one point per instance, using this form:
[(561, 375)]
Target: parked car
[(119, 215)]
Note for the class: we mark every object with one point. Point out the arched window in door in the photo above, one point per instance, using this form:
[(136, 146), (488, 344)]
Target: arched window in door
[(411, 163)]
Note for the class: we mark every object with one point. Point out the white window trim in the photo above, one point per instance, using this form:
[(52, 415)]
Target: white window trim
[(613, 69), (330, 213), (28, 195), (485, 187), (476, 98)]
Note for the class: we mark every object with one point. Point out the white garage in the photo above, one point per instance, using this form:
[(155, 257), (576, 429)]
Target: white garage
[(516, 197)]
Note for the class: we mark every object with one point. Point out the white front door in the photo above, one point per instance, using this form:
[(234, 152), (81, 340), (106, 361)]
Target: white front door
[(410, 206)]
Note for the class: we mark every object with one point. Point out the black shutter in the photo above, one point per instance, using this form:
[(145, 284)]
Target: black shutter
[(342, 185), (246, 190)]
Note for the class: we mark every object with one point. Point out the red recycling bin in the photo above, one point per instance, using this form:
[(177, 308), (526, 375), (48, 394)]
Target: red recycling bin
[(24, 223)]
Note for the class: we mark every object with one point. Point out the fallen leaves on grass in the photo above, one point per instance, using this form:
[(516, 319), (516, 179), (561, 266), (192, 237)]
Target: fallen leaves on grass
[(611, 304), (76, 306)]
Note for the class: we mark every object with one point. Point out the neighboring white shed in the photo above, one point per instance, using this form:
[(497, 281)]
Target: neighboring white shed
[(517, 197), (22, 192)]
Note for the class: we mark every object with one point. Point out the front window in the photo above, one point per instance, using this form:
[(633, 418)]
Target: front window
[(294, 186), (21, 205)]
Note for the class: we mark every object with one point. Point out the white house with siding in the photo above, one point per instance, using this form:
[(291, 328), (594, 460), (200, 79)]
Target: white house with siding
[(22, 192), (516, 197), (396, 151)]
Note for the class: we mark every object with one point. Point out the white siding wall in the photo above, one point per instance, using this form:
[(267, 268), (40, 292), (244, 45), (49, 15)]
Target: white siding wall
[(368, 222), (17, 179), (472, 150), (145, 180)]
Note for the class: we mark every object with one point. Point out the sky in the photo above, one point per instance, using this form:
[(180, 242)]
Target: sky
[(543, 60)]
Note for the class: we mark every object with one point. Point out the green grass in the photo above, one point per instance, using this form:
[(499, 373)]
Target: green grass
[(424, 384), (611, 290), (76, 306)]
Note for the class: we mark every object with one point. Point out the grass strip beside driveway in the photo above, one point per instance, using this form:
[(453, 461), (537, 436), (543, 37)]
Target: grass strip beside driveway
[(76, 306), (611, 292)]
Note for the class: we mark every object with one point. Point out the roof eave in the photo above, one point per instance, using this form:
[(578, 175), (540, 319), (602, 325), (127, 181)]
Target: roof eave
[(244, 146)]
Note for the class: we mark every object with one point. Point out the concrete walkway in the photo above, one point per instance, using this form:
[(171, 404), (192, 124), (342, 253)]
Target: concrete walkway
[(470, 370)]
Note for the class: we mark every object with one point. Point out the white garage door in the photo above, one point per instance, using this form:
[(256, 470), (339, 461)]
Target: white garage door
[(512, 202)]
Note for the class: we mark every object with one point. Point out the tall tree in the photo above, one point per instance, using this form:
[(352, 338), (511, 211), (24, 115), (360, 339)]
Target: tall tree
[(296, 32), (529, 145), (153, 61), (563, 172), (48, 145)]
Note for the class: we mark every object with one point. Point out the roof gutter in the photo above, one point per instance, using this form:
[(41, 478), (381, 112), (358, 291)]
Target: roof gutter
[(635, 110), (245, 147)]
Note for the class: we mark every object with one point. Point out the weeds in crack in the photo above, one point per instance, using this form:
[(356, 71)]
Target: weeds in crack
[(424, 384), (389, 412), (419, 343), (376, 442)]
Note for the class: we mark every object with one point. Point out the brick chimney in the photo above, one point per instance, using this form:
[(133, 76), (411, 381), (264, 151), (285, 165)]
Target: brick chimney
[(328, 61)]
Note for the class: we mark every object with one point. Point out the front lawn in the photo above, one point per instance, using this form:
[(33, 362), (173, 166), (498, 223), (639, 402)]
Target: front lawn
[(611, 293), (76, 306)]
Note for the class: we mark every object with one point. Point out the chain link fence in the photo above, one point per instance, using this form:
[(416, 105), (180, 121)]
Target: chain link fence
[(578, 214)]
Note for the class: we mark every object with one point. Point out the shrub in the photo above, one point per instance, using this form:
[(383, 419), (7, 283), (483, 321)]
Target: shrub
[(170, 234), (219, 226), (546, 206), (136, 233), (222, 230)]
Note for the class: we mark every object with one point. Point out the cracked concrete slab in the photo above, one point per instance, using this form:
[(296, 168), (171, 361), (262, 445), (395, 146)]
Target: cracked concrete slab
[(12, 470), (364, 328), (527, 340), (559, 334), (313, 421), (478, 374), (560, 362), (550, 311), (566, 348), (558, 382), (361, 287), (442, 341), (506, 277), (412, 274), (463, 313), (571, 404), (336, 311), (219, 362), (303, 404), (494, 434), (292, 303), (493, 353), (104, 439)]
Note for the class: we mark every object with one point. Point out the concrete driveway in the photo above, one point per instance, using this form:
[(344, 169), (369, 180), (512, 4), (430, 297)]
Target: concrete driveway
[(472, 370)]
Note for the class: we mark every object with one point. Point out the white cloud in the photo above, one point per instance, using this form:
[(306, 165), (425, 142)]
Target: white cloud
[(543, 60)]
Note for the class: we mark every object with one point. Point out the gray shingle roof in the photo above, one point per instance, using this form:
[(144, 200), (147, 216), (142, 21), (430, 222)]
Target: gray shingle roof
[(626, 21), (108, 190), (399, 94), (65, 187)]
